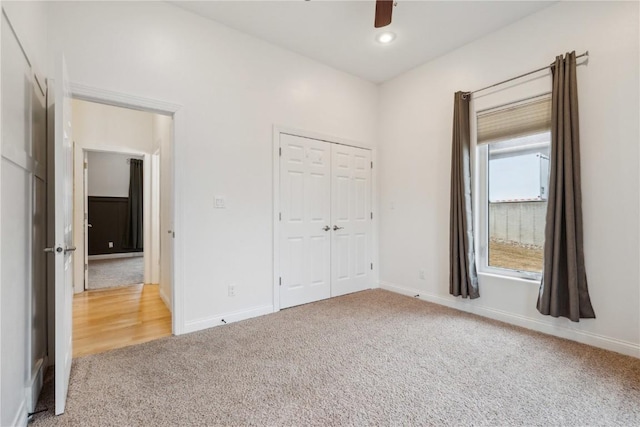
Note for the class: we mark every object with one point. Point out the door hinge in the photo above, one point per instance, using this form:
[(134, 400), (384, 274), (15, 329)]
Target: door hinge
[(86, 267), (371, 215), (280, 281), (86, 165), (280, 151), (372, 266)]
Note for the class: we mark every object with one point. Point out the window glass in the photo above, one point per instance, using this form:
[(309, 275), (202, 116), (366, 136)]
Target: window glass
[(517, 174)]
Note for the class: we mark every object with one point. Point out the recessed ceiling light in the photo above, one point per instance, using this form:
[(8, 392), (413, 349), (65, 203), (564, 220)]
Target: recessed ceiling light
[(386, 37)]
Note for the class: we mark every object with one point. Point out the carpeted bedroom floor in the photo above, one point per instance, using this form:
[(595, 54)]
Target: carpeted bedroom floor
[(370, 358), (109, 273)]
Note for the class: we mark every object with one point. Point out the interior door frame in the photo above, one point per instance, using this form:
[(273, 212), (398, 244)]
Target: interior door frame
[(277, 131), (146, 206), (178, 112)]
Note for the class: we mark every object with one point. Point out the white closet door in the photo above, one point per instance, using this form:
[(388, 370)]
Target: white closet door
[(305, 245), (351, 214)]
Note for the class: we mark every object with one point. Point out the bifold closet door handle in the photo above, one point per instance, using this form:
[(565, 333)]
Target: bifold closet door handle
[(326, 228), (336, 228)]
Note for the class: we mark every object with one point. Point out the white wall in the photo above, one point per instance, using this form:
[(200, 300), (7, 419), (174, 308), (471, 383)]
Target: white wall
[(113, 134), (108, 174), (100, 126), (415, 149), (29, 20), (234, 88), (18, 172)]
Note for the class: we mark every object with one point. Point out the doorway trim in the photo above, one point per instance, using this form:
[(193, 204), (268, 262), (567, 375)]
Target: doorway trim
[(177, 111), (277, 131)]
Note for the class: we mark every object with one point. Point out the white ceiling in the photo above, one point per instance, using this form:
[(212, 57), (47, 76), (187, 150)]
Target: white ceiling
[(341, 33)]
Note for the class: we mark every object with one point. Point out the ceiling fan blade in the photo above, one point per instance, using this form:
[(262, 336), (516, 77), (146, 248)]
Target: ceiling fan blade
[(384, 8)]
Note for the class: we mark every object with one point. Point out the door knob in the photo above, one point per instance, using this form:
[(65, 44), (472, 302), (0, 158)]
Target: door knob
[(89, 225), (326, 228), (336, 228)]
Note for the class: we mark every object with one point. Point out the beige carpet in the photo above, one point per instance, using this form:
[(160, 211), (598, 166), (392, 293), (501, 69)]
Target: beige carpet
[(109, 273), (371, 358)]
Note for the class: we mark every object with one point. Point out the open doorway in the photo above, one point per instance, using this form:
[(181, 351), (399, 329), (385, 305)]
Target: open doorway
[(115, 227), (122, 198)]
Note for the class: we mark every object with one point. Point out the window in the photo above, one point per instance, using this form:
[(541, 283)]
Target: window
[(514, 144)]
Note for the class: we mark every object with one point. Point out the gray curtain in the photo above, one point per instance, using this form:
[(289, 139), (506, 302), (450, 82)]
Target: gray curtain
[(463, 279), (134, 230), (563, 291)]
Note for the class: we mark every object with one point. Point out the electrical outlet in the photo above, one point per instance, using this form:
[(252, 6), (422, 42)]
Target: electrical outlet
[(232, 290), (110, 245), (421, 274)]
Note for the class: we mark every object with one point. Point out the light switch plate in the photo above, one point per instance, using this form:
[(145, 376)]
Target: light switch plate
[(219, 202)]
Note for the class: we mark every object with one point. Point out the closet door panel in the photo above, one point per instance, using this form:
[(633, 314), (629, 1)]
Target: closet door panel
[(305, 245), (351, 214)]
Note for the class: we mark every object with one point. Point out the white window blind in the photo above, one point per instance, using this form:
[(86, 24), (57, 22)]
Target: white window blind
[(515, 120)]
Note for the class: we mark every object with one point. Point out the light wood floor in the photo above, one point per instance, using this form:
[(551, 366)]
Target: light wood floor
[(112, 318)]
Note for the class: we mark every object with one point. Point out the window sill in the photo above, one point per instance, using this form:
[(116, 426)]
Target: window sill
[(508, 277)]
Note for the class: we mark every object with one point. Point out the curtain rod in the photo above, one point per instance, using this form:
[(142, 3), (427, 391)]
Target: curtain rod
[(517, 77)]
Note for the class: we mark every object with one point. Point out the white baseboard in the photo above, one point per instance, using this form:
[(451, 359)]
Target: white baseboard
[(209, 322), (35, 385), (164, 298), (21, 418), (600, 341), (115, 256)]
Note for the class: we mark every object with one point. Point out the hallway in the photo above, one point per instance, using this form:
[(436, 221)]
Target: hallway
[(108, 319), (110, 273)]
